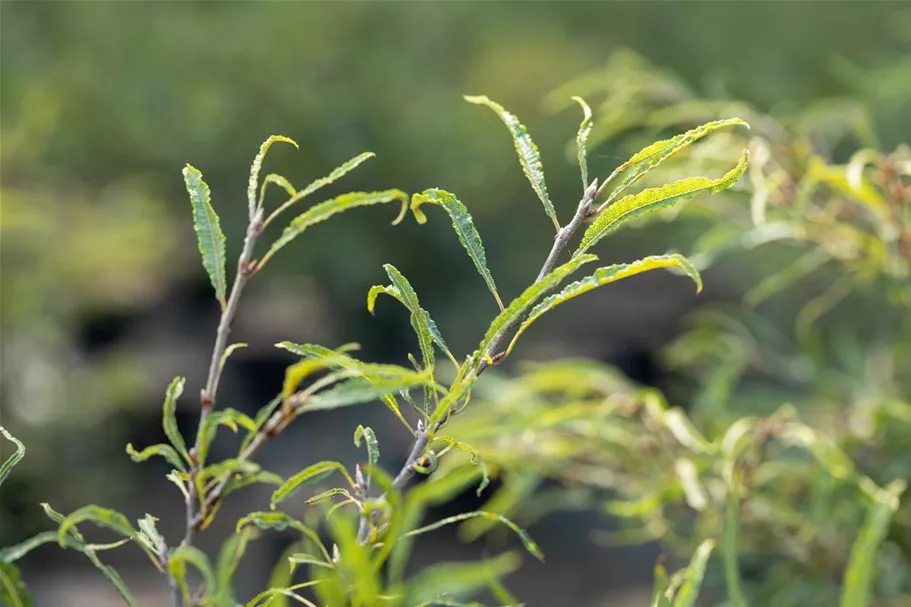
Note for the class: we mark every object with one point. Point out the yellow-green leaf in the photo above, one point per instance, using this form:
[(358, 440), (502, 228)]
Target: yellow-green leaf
[(208, 231), (165, 451), (366, 434), (529, 543), (585, 128), (529, 157), (695, 572), (464, 227), (306, 477), (364, 389), (103, 517), (653, 199), (257, 165), (445, 583), (324, 210), (279, 521), (169, 417), (391, 291), (607, 275), (177, 562)]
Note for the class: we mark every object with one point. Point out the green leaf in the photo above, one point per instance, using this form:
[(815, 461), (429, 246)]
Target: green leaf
[(324, 210), (660, 588), (306, 477), (111, 574), (363, 390), (862, 565), (177, 562), (103, 517), (457, 580), (585, 128), (464, 227), (780, 280), (278, 180), (279, 521), (327, 495), (607, 275), (686, 597), (257, 165), (391, 291), (165, 451), (208, 231), (169, 417), (475, 459), (13, 459), (229, 557), (302, 558), (529, 543), (150, 531), (11, 554), (224, 358), (529, 157), (729, 542), (231, 418), (652, 199), (13, 591), (651, 156), (373, 446)]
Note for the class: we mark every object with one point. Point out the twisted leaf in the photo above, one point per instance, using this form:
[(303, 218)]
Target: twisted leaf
[(529, 157), (208, 231), (13, 459), (103, 517), (653, 199), (257, 165), (464, 227), (306, 477), (366, 434), (169, 417), (529, 543), (585, 128), (607, 275), (391, 291), (165, 451), (177, 562), (420, 321)]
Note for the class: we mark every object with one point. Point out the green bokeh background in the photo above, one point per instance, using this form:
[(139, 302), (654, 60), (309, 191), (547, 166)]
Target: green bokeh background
[(102, 103)]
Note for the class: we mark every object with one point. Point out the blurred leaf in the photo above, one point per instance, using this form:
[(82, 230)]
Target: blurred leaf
[(529, 543), (230, 418), (329, 494), (787, 276), (13, 459), (603, 276), (652, 199), (529, 157), (659, 597), (279, 521), (373, 446), (730, 551), (686, 596), (464, 227), (306, 477), (362, 390), (457, 580), (103, 517), (208, 231), (177, 562), (475, 459), (585, 129), (12, 589), (229, 557), (257, 166), (302, 558), (224, 358), (862, 566), (169, 418), (165, 451), (324, 210)]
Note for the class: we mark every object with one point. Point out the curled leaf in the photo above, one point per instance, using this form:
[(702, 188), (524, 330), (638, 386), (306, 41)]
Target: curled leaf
[(585, 128), (306, 477), (13, 459), (169, 417), (165, 451), (257, 166)]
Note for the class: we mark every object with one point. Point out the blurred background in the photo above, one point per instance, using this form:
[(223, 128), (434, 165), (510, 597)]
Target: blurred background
[(104, 299)]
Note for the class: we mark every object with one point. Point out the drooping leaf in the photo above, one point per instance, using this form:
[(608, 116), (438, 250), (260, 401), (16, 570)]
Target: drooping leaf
[(529, 157), (604, 276), (13, 591), (652, 155), (324, 210), (186, 554), (11, 554), (652, 199), (278, 180), (165, 451), (257, 166), (169, 417), (475, 459), (862, 565), (686, 596), (446, 582), (208, 231), (231, 418), (306, 477), (529, 543), (336, 174), (780, 280), (585, 128), (279, 521), (366, 434), (391, 291), (464, 228), (103, 517), (363, 390), (329, 494), (302, 558), (13, 459), (229, 557)]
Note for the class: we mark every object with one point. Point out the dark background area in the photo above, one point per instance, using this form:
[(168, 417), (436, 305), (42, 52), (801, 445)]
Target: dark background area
[(104, 299)]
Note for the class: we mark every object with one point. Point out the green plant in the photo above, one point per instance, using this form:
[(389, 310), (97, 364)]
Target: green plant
[(374, 515)]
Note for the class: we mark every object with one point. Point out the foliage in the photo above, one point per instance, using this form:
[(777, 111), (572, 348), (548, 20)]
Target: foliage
[(371, 531)]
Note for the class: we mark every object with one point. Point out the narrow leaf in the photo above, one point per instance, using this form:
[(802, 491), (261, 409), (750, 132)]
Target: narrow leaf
[(391, 291), (165, 451), (529, 543), (604, 276), (169, 417), (224, 358), (585, 128), (186, 554), (208, 231), (279, 521), (11, 554), (13, 591), (362, 390), (652, 199), (464, 227), (257, 165), (328, 208), (529, 157), (302, 558), (686, 597), (327, 495), (306, 477), (445, 583), (862, 566), (366, 434), (336, 174), (13, 459)]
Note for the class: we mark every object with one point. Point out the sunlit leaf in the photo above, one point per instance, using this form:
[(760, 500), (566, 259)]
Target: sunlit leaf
[(13, 459), (862, 565), (393, 292), (652, 199), (165, 451), (324, 210), (603, 276), (169, 417), (585, 129), (306, 477), (464, 227), (208, 231), (529, 157), (257, 166)]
